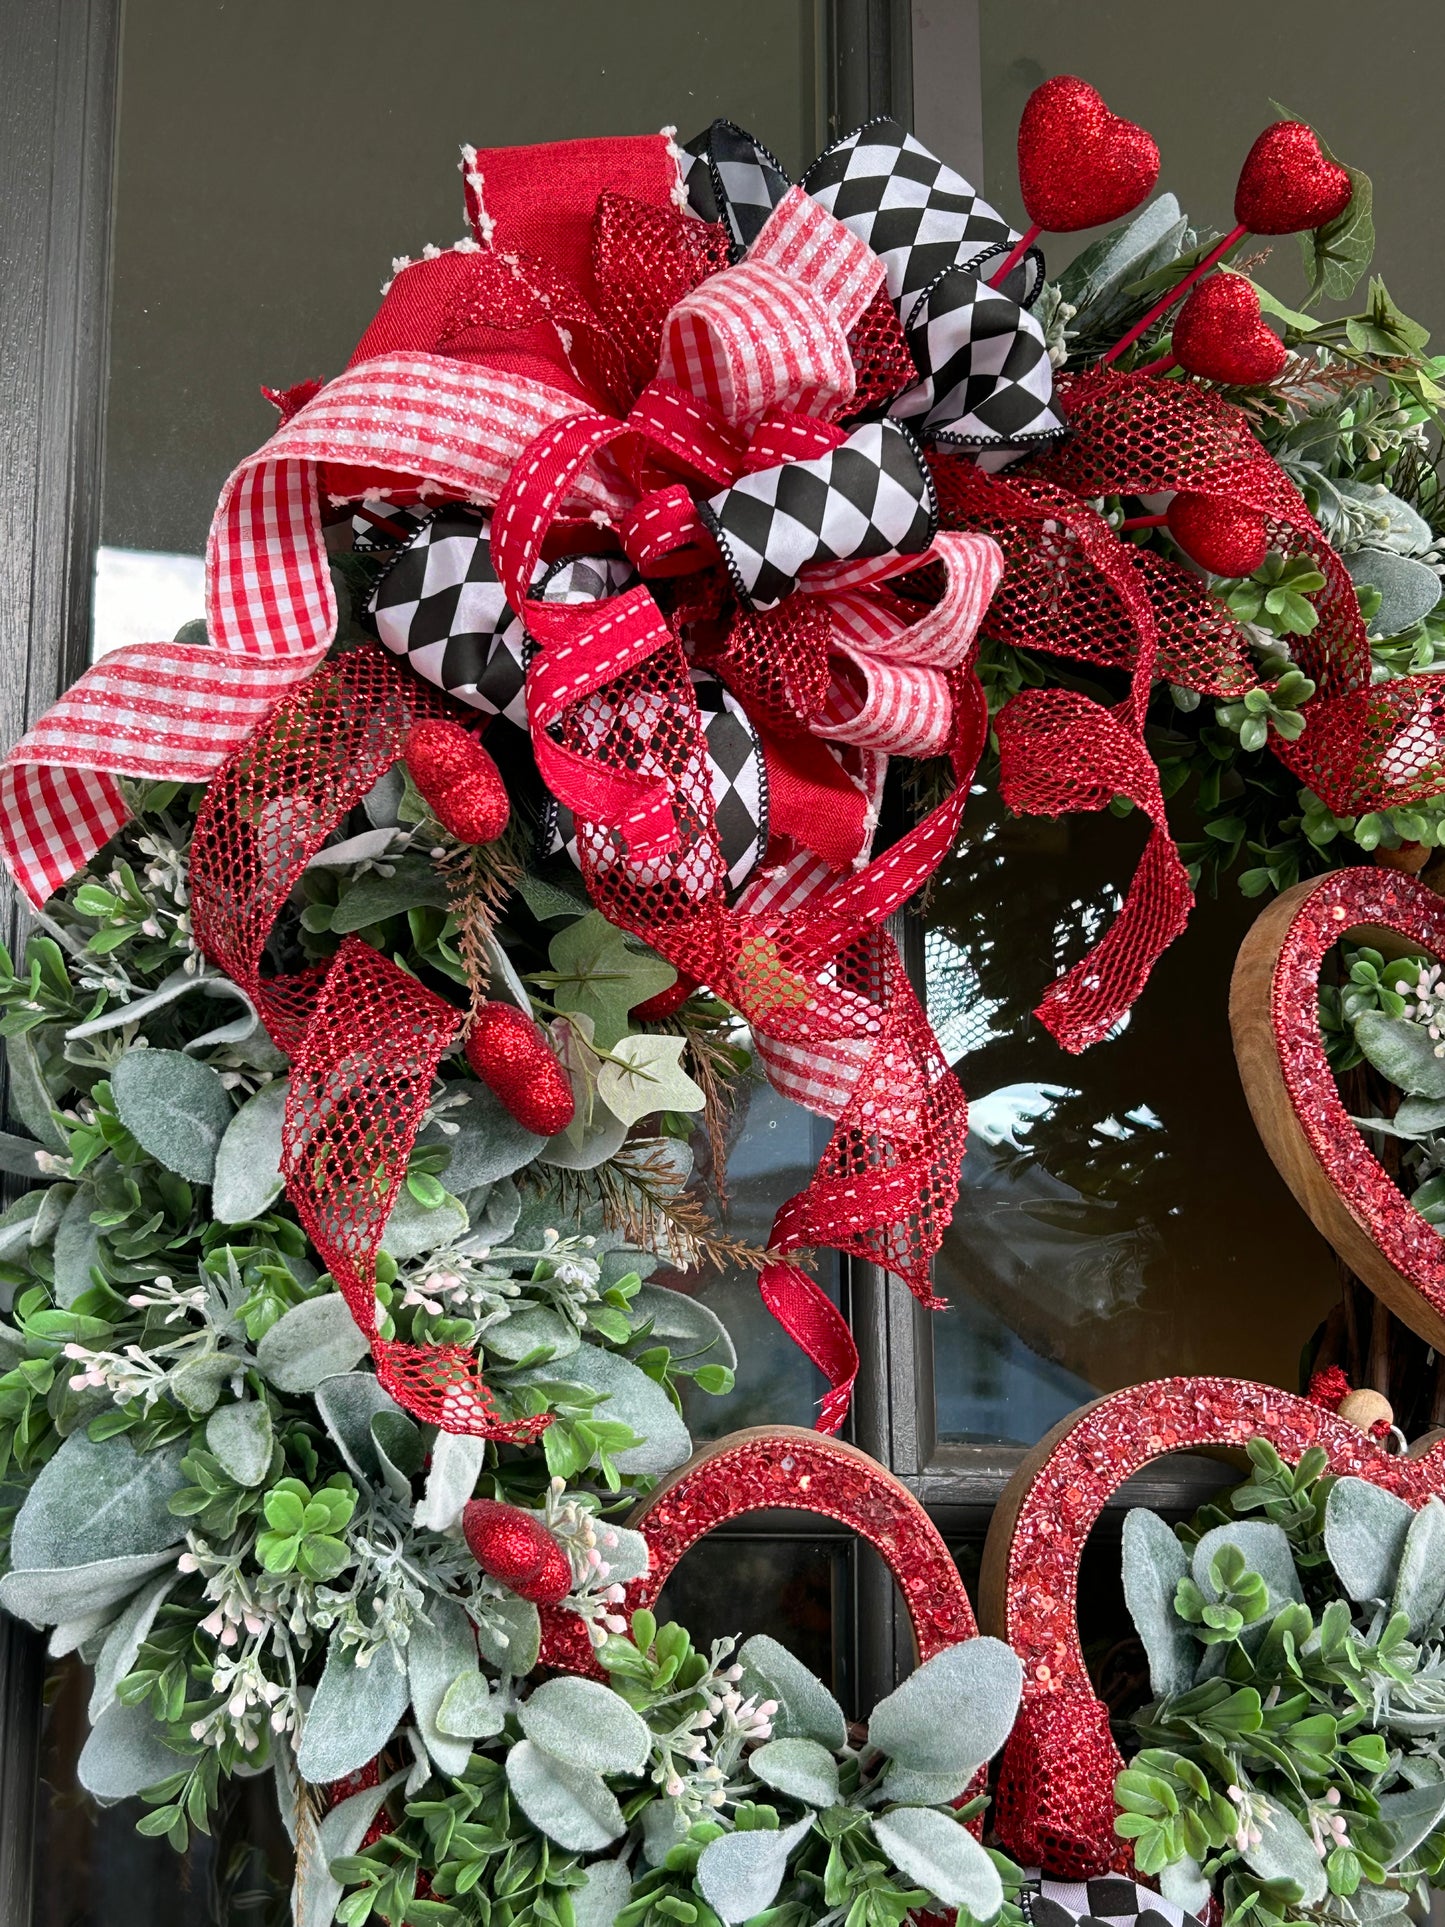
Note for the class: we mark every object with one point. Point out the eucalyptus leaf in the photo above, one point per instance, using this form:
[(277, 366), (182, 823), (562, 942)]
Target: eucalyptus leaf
[(1420, 1585), (802, 1769), (936, 1851), (529, 1330), (126, 1636), (1154, 1563), (124, 1753), (630, 1396), (1183, 1882), (570, 1804), (414, 884), (176, 1109), (587, 1724), (366, 847), (606, 1889), (248, 1179), (488, 1142), (437, 1654), (1365, 1532), (954, 1713), (348, 1403), (17, 1156), (469, 1709), (1412, 1816), (340, 1832), (690, 1330), (456, 1464), (51, 1595), (1286, 1852), (509, 1634), (1403, 1052), (314, 1340), (98, 1500), (740, 1874), (29, 1095), (353, 1713), (1145, 242), (806, 1709), (240, 1437), (414, 1228), (76, 1250)]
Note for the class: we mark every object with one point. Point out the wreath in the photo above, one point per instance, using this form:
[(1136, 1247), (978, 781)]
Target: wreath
[(378, 1068)]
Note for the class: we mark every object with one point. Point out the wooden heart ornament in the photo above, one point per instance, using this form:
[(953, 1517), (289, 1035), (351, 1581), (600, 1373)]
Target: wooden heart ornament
[(790, 1468), (1055, 1804), (1273, 1011)]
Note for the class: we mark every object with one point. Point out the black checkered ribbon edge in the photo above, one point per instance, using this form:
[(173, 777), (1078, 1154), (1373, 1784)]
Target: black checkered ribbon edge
[(985, 379), (1109, 1901), (871, 496)]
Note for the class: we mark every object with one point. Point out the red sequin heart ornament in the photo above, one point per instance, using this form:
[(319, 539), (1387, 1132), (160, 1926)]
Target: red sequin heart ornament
[(1221, 334), (1217, 534), (1286, 184), (508, 1052), (461, 784), (1079, 164)]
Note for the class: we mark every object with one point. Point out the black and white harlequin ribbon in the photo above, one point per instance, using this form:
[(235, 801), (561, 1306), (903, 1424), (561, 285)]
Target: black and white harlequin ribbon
[(985, 381), (440, 605), (871, 496), (736, 768), (1110, 1901)]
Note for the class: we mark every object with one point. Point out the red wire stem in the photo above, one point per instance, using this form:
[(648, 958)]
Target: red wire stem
[(1179, 288), (1015, 254)]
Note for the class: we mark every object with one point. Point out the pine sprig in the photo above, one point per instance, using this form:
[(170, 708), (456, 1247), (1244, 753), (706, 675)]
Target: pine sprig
[(479, 877), (640, 1199)]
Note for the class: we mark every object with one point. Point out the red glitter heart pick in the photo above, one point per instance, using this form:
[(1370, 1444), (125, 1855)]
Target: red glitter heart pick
[(458, 779), (510, 1055), (1286, 185), (515, 1547), (1218, 535), (1080, 165), (1221, 335)]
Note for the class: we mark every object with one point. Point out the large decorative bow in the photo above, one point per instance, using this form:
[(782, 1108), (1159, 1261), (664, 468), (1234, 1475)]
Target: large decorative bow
[(590, 373)]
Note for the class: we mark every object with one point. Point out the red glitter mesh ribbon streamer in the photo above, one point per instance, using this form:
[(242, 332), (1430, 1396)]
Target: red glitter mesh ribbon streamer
[(1072, 587), (364, 1037)]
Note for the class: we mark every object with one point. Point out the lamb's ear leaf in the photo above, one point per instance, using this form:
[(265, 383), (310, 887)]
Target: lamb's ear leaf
[(606, 1889), (938, 1852), (570, 1804), (1420, 1581), (806, 1709), (96, 1500), (125, 1752), (1154, 1563), (954, 1713), (315, 1340), (470, 1710), (436, 1655), (341, 1831), (125, 1638), (1266, 1550), (456, 1465), (248, 1164), (802, 1769), (174, 1108), (353, 1713), (240, 1436), (1285, 1852), (740, 1873), (588, 1724), (1411, 1817), (1365, 1531)]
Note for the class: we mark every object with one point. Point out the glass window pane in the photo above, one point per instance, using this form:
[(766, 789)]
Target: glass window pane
[(1118, 1218), (272, 160)]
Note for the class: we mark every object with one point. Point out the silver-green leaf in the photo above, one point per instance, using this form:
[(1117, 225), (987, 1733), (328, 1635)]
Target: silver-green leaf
[(936, 1851), (570, 1804), (954, 1713), (174, 1108), (806, 1709), (740, 1874), (588, 1724), (315, 1340), (248, 1179), (352, 1715), (800, 1768)]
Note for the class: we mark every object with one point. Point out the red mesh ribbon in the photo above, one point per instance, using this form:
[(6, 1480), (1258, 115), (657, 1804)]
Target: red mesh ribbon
[(1055, 1802), (1072, 587), (364, 1037)]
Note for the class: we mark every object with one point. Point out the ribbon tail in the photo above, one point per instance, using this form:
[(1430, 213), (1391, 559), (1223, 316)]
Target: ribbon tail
[(817, 1327), (1060, 752)]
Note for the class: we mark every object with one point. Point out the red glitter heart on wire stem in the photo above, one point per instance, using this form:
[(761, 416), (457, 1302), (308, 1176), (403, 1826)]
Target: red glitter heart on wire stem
[(1287, 185), (1221, 334), (1079, 164)]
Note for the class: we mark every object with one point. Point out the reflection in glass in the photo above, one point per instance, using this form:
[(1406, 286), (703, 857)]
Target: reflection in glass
[(1118, 1218), (795, 1590), (773, 1146)]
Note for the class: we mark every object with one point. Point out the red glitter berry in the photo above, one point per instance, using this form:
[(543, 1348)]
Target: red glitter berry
[(511, 1056), (1080, 165), (515, 1547), (461, 784), (1286, 185), (1221, 334), (666, 1001), (1218, 534)]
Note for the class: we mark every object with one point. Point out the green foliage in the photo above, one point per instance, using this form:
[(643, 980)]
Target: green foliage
[(1314, 1705), (303, 1529)]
